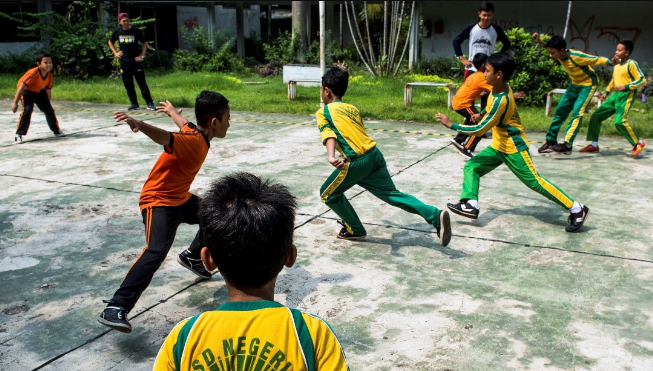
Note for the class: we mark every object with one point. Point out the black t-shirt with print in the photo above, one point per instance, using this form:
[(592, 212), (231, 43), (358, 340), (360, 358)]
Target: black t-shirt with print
[(128, 42)]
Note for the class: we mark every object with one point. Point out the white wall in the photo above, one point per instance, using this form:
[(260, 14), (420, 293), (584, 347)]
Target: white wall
[(595, 26), (225, 19)]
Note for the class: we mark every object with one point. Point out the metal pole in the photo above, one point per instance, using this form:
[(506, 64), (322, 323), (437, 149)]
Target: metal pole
[(269, 24), (341, 33), (322, 41), (564, 35)]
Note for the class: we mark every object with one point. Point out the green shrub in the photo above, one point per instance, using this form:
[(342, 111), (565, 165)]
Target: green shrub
[(18, 62), (207, 55), (282, 50), (447, 67), (536, 72)]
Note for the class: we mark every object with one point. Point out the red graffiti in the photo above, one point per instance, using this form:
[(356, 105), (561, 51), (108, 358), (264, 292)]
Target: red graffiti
[(582, 35), (191, 23)]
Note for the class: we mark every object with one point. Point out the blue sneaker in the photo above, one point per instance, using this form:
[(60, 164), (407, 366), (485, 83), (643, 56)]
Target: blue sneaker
[(134, 106), (151, 107)]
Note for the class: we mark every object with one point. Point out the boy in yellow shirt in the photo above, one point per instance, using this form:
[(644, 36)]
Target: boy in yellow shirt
[(509, 146), (248, 226), (626, 79)]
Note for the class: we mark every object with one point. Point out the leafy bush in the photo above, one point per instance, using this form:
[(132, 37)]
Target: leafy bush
[(282, 50), (448, 67), (206, 54), (536, 72), (17, 62)]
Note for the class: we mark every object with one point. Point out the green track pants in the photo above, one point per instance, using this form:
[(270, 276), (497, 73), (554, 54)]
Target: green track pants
[(617, 104), (574, 100), (370, 172), (520, 164)]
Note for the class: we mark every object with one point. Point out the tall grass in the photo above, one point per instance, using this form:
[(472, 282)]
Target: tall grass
[(376, 98)]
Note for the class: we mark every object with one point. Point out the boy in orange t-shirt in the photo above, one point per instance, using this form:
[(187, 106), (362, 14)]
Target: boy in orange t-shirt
[(473, 88), (34, 88), (165, 200)]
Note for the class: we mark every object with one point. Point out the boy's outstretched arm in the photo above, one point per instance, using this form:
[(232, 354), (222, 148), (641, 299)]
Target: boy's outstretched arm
[(167, 108), (331, 153), (19, 93), (158, 135)]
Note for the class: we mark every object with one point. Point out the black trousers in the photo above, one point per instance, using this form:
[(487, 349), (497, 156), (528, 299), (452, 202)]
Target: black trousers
[(470, 142), (160, 229), (129, 71), (41, 100)]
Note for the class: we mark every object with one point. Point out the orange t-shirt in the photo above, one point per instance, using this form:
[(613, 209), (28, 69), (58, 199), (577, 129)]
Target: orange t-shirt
[(176, 168), (34, 81), (470, 90)]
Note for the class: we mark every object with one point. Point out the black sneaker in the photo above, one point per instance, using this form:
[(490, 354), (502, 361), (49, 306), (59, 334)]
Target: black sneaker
[(151, 107), (576, 220), (194, 265), (134, 106), (464, 209), (345, 235), (444, 232), (564, 148), (18, 139), (116, 318), (461, 149), (547, 147)]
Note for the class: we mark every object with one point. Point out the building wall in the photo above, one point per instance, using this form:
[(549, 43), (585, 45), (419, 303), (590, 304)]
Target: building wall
[(225, 20), (595, 27)]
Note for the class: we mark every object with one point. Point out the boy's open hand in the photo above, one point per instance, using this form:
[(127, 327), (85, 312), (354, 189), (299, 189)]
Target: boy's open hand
[(132, 122), (14, 107), (337, 162), (443, 119), (519, 95), (167, 108)]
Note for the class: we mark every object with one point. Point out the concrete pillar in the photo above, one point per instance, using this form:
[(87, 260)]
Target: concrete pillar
[(210, 29), (413, 46), (240, 26)]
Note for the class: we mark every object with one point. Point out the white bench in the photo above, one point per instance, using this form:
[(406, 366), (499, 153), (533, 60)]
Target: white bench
[(292, 86), (547, 110), (408, 91)]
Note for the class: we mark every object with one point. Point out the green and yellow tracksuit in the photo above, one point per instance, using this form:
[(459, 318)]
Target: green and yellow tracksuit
[(364, 165), (509, 146), (618, 103), (578, 95)]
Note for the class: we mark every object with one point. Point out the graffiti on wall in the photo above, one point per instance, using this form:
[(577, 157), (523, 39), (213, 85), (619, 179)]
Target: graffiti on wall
[(191, 23), (581, 37)]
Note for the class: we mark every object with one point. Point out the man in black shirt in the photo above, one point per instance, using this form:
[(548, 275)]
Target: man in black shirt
[(131, 60)]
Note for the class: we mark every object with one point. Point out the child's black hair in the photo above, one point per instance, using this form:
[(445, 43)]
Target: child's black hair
[(486, 7), (503, 62), (556, 42), (248, 227), (628, 44), (42, 54), (337, 80), (479, 60), (210, 104)]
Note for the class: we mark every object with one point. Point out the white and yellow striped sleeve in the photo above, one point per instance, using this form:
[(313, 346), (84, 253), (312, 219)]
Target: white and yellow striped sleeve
[(324, 125), (490, 120)]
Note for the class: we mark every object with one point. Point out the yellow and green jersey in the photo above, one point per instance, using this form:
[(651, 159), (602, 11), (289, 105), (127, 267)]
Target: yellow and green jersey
[(252, 336), (578, 67), (343, 122), (501, 116), (626, 74)]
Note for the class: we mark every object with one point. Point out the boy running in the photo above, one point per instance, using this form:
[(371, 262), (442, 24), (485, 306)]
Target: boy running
[(509, 146), (626, 78), (578, 95), (463, 103), (342, 129), (165, 201), (35, 87), (249, 224)]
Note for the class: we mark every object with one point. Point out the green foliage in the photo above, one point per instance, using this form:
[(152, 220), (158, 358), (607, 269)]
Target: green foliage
[(206, 54), (282, 51), (77, 41), (448, 67), (536, 72), (17, 62)]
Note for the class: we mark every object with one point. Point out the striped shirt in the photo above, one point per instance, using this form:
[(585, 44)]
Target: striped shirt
[(252, 335), (578, 67), (627, 74), (501, 116), (343, 122)]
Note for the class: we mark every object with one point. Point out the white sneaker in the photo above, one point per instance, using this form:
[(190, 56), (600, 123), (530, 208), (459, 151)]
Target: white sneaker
[(59, 134), (18, 139)]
